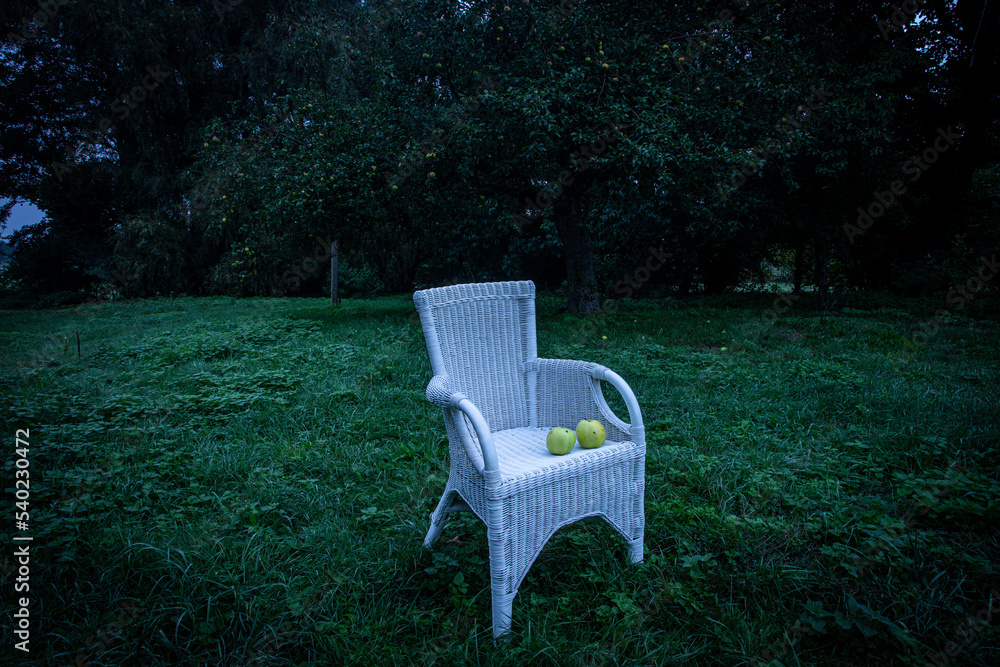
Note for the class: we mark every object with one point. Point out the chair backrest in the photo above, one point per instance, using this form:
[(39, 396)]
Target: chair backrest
[(481, 335)]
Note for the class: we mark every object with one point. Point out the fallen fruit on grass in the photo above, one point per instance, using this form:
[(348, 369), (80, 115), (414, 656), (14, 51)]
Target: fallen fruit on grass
[(560, 440), (591, 433)]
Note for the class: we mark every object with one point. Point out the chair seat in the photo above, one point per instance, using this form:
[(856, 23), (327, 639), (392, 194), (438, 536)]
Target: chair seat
[(524, 458)]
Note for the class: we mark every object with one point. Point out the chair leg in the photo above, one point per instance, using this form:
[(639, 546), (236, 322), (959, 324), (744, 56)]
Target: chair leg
[(635, 550), (437, 525), (503, 608), (499, 543), (438, 519)]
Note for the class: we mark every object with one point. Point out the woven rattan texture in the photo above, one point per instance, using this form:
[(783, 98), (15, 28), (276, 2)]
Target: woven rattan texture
[(499, 402)]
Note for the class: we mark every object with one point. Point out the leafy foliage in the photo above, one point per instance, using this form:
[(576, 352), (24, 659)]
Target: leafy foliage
[(445, 140)]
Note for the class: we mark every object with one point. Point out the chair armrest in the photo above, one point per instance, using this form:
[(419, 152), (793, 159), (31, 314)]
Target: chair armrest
[(569, 388), (631, 402), (440, 394)]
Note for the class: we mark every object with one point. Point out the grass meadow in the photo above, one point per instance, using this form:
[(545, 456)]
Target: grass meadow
[(247, 482)]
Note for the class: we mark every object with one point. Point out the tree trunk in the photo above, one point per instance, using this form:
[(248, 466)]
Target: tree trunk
[(800, 252), (684, 288), (581, 283), (821, 277), (334, 294)]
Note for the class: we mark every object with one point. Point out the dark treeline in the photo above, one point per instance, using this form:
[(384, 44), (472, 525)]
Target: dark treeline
[(207, 147)]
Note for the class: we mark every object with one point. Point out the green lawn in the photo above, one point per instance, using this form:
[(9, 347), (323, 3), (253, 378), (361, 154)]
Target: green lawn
[(247, 482)]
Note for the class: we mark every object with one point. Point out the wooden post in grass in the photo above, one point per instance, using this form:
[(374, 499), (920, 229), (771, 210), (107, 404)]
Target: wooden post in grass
[(334, 297)]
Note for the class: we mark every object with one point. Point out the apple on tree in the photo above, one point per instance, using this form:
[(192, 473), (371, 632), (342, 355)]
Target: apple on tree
[(591, 433)]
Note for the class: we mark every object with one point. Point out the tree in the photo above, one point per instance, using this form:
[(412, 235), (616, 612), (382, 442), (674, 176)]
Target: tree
[(442, 137), (133, 84)]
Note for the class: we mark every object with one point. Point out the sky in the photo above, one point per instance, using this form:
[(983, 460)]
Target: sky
[(23, 214)]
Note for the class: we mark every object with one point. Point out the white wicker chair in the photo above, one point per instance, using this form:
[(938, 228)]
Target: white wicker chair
[(499, 401)]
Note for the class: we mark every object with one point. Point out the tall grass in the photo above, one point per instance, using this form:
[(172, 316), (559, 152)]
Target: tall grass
[(247, 482)]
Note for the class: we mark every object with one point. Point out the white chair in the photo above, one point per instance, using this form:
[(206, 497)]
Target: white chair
[(500, 401)]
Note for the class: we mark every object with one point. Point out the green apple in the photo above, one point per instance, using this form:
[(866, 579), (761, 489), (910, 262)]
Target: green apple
[(560, 441), (591, 433)]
